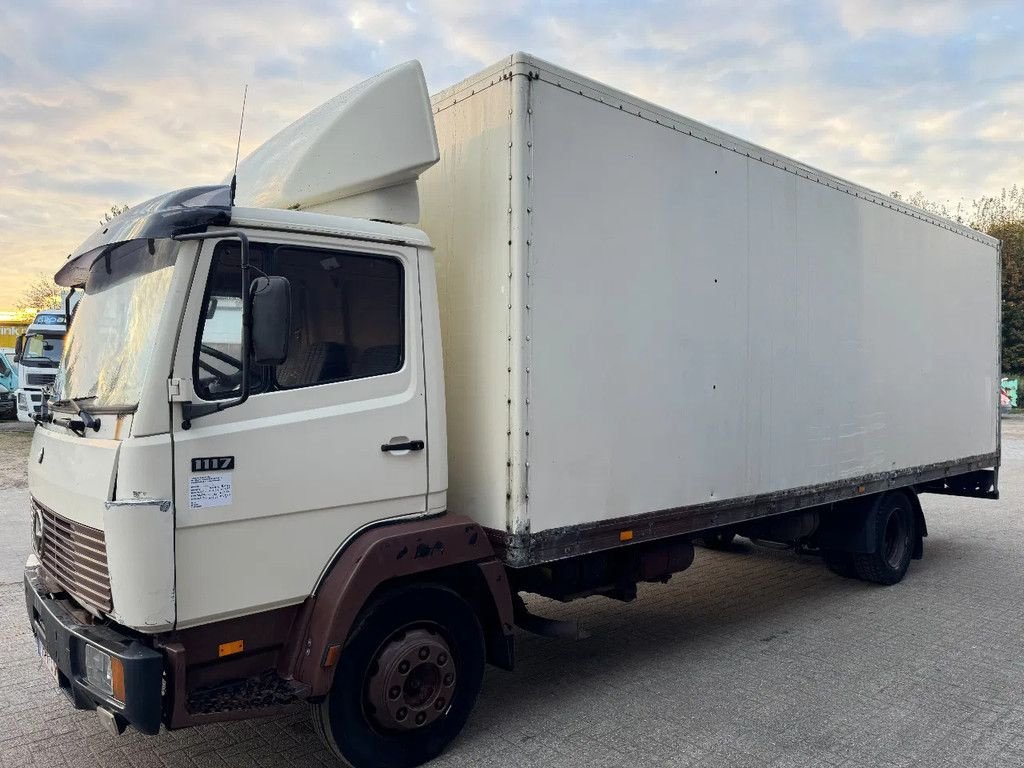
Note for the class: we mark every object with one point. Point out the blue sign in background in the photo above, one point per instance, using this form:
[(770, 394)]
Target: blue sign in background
[(48, 320)]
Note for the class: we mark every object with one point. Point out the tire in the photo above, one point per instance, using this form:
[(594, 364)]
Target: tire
[(895, 533), (840, 563), (383, 686), (717, 539)]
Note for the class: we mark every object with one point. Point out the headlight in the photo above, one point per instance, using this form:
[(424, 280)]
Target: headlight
[(104, 673), (21, 400)]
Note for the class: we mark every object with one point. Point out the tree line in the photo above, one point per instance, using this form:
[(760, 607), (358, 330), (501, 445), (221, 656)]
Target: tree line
[(1002, 217)]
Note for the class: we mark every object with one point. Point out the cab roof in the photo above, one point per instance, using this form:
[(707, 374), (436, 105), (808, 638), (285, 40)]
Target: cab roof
[(197, 209), (328, 224)]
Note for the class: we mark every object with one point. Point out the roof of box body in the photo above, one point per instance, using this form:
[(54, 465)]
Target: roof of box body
[(521, 63)]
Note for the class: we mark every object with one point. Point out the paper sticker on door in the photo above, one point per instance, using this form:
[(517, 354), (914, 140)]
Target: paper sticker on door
[(209, 490)]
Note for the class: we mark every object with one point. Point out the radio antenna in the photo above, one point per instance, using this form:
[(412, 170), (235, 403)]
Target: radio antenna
[(238, 146)]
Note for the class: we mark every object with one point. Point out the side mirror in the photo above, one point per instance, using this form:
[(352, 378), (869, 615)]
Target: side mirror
[(271, 313), (19, 345)]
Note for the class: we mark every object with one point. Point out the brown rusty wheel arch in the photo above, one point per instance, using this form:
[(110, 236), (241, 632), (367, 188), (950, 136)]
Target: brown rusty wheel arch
[(445, 549)]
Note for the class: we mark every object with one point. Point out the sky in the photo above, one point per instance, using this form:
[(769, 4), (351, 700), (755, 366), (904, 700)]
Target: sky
[(107, 102)]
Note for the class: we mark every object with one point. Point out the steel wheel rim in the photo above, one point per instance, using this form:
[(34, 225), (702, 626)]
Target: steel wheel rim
[(411, 681), (896, 540)]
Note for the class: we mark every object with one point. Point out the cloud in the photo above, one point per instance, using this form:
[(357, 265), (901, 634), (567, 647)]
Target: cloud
[(380, 22), (123, 100), (922, 18)]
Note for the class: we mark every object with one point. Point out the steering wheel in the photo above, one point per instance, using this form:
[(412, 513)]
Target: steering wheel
[(228, 380), (224, 357)]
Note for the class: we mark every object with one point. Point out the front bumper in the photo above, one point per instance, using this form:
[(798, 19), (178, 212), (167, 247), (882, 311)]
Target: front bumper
[(64, 638)]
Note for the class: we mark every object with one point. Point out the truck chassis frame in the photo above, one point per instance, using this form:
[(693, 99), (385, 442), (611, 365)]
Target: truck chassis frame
[(972, 476)]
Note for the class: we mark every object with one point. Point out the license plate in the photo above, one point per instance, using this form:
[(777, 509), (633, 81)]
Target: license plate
[(50, 664)]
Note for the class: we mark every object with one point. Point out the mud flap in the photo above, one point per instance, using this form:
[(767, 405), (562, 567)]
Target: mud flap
[(920, 528), (851, 527)]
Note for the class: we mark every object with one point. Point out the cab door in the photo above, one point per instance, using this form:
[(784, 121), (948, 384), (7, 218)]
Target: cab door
[(329, 442)]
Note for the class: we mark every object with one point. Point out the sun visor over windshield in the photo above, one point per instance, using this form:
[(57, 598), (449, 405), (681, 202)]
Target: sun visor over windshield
[(175, 213)]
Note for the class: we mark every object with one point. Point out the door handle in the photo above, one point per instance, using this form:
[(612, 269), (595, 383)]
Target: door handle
[(412, 445)]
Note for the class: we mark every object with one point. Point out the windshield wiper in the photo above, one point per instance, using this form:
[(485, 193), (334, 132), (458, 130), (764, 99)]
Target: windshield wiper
[(84, 421)]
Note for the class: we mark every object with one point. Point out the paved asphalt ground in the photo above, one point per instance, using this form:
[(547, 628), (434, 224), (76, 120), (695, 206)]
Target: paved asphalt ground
[(753, 657)]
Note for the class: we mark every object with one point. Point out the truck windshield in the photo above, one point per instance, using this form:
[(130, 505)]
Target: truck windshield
[(43, 350), (110, 343)]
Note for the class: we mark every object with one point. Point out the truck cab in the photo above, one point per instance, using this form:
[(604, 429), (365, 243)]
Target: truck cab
[(8, 388), (125, 444), (8, 373), (38, 355)]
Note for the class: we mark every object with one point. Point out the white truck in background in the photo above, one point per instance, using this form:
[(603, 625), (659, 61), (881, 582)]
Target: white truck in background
[(37, 356), (314, 435)]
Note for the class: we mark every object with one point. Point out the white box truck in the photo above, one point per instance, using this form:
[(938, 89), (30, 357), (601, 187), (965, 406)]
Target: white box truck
[(316, 431)]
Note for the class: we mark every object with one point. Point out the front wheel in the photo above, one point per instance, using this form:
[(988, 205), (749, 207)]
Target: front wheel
[(406, 681)]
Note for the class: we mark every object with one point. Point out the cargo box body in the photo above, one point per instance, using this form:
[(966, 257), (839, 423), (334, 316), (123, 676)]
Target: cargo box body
[(651, 325)]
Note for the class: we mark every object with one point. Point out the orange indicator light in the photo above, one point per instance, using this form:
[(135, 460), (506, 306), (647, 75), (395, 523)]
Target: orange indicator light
[(227, 649)]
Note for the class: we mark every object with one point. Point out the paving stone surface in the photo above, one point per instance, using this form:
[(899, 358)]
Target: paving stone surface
[(753, 657)]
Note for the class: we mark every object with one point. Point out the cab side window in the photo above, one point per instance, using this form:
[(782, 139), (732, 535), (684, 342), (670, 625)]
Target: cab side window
[(347, 316), (347, 321)]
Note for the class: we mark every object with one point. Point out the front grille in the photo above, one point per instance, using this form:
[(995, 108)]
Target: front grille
[(75, 556), (40, 379)]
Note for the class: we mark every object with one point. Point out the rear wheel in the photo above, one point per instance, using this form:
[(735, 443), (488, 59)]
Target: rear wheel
[(406, 681), (894, 541)]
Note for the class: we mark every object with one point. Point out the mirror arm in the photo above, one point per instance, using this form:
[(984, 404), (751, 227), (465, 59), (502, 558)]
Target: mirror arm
[(190, 410), (67, 309)]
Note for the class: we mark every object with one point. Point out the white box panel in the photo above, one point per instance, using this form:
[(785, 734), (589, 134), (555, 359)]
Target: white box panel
[(699, 319)]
